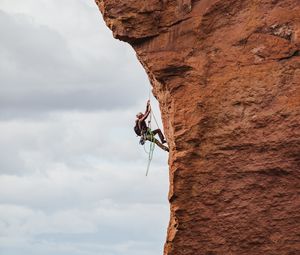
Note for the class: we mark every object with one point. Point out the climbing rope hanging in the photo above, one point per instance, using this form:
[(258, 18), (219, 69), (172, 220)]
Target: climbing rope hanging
[(150, 134), (151, 151)]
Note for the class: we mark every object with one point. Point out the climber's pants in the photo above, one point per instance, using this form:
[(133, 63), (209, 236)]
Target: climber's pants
[(159, 133)]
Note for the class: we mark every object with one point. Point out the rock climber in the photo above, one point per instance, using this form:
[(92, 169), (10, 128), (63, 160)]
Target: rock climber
[(142, 130)]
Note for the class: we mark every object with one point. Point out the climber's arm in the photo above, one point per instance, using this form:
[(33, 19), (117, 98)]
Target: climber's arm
[(147, 112), (147, 107)]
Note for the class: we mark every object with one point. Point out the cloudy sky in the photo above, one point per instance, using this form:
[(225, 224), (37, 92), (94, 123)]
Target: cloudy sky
[(72, 175)]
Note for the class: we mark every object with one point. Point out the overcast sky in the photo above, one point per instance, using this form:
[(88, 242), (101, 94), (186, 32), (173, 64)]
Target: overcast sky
[(72, 174)]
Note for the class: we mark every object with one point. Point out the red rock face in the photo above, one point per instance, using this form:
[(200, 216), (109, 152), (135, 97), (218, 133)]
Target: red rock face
[(227, 76)]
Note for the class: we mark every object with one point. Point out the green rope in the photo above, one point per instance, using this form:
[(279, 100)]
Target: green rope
[(151, 151), (152, 139)]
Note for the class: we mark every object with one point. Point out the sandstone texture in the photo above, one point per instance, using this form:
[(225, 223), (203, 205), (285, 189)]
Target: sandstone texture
[(226, 74)]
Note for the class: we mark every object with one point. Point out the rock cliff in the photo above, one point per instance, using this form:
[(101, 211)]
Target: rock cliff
[(227, 76)]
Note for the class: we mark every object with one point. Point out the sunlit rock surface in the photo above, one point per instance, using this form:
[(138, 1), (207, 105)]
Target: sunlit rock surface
[(227, 76)]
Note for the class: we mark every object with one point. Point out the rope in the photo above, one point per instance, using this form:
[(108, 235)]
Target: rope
[(152, 144), (149, 133), (156, 121), (149, 97), (151, 151), (151, 113)]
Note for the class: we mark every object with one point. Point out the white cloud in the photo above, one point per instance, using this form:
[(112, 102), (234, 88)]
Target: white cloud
[(78, 193), (64, 63), (116, 227), (72, 175)]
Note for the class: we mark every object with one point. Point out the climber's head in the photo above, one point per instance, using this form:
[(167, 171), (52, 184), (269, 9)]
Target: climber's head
[(140, 115)]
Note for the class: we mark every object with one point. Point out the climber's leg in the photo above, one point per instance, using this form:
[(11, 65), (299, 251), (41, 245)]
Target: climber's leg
[(159, 144), (160, 134)]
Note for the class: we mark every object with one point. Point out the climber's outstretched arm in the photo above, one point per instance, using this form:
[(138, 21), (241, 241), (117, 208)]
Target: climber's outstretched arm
[(147, 107), (147, 112)]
